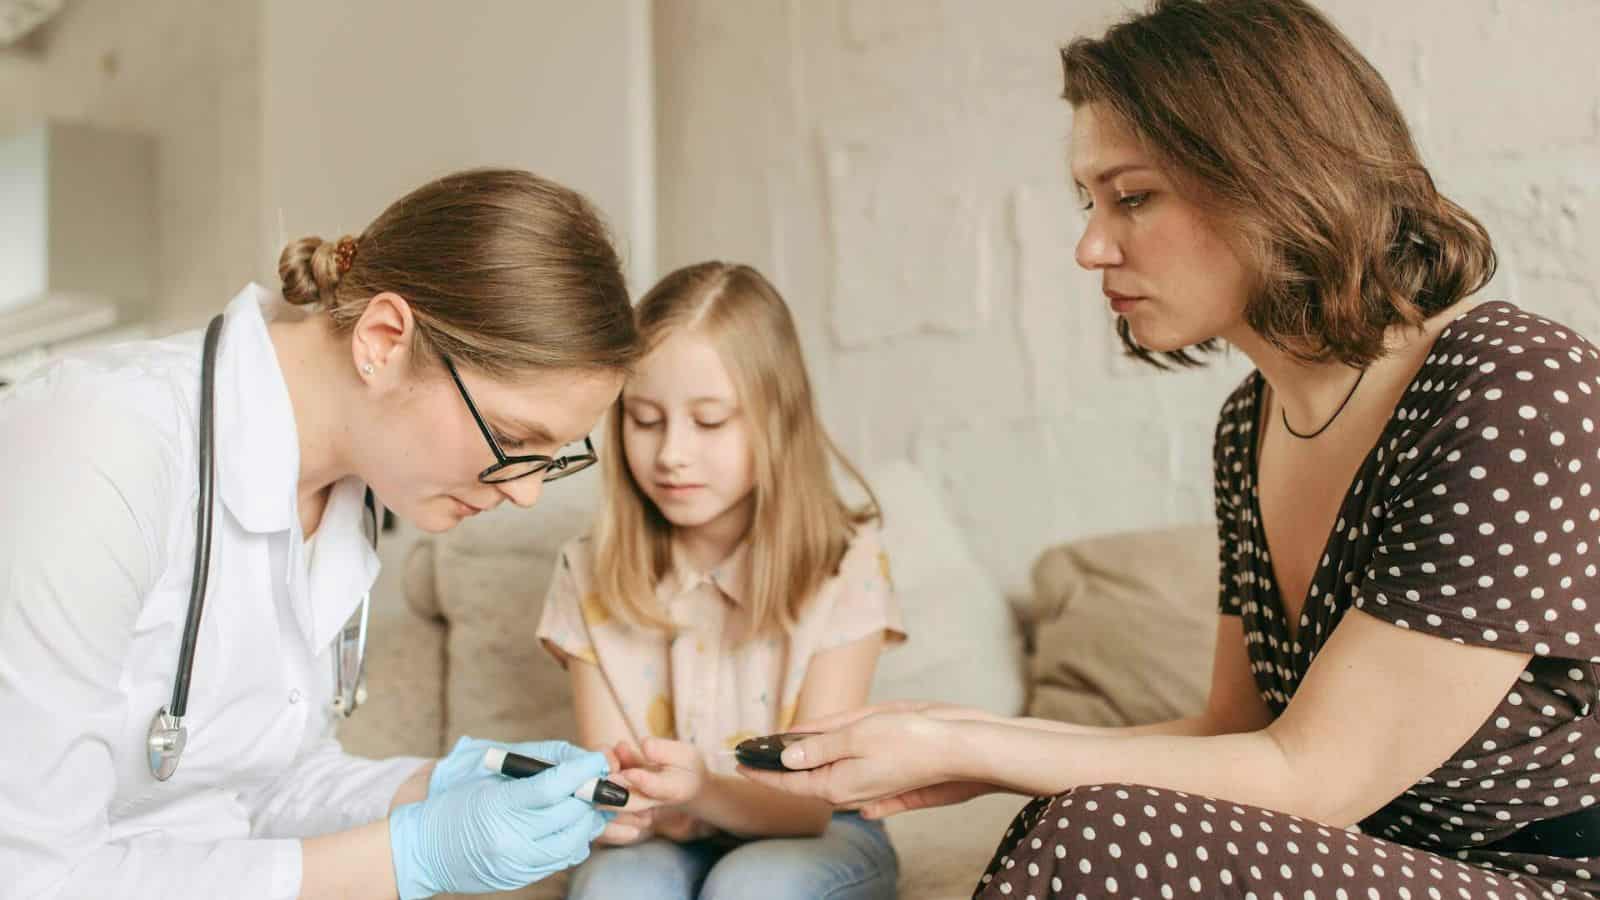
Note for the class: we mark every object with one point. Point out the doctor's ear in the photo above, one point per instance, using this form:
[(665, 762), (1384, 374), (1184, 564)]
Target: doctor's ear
[(382, 339)]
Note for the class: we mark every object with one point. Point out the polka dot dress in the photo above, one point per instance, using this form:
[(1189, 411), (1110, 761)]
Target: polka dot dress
[(1474, 518)]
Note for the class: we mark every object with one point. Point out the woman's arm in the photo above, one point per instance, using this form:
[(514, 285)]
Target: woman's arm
[(1364, 726), (413, 789), (492, 834), (350, 864)]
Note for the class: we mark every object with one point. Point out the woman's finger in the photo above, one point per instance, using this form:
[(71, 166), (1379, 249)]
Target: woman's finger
[(821, 749), (946, 794), (823, 784)]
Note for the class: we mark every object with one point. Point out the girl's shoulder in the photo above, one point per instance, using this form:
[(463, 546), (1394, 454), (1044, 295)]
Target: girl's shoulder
[(576, 558), (864, 553), (865, 538)]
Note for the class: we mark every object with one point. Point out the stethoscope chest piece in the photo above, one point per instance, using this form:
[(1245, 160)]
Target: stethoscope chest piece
[(165, 744)]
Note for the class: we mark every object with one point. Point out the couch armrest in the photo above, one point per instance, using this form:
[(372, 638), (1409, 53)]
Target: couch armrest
[(421, 580), (1126, 624)]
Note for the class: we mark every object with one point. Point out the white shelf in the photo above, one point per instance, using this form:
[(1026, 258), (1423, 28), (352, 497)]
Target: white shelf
[(57, 318), (31, 335)]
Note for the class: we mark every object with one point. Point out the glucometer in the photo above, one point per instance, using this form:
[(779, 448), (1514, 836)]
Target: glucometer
[(766, 752), (598, 791)]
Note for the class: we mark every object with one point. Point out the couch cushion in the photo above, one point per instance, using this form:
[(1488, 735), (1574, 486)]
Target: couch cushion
[(1126, 627), (963, 643), (491, 573)]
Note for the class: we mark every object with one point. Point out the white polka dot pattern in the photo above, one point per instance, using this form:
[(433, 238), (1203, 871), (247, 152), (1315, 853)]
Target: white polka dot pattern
[(1473, 518), (1119, 840)]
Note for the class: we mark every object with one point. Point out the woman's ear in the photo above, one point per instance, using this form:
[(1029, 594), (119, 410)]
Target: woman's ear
[(381, 342)]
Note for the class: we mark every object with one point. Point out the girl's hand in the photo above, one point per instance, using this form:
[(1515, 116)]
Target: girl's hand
[(639, 820), (677, 825), (881, 756), (663, 772), (674, 824), (628, 828)]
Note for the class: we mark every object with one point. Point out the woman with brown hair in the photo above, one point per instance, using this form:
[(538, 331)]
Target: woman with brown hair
[(453, 356), (1403, 694)]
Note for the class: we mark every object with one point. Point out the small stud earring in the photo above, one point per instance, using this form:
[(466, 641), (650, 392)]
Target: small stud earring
[(367, 369)]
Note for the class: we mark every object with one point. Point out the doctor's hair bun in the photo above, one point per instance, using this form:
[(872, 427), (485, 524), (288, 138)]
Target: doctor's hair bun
[(311, 268)]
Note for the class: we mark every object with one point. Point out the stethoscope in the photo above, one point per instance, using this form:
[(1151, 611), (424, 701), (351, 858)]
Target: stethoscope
[(167, 735)]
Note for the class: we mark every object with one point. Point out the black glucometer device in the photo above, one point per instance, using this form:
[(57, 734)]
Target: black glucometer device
[(766, 752)]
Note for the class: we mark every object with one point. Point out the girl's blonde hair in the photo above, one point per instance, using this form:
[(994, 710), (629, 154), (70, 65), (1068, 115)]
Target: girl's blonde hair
[(797, 539)]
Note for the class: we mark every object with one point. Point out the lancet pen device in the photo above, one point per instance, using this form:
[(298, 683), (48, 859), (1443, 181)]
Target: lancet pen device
[(514, 765)]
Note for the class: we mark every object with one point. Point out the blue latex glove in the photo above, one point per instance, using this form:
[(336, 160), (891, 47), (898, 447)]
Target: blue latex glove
[(496, 834), (464, 763)]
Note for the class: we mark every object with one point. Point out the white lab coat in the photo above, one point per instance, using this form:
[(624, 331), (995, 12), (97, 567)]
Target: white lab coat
[(98, 490)]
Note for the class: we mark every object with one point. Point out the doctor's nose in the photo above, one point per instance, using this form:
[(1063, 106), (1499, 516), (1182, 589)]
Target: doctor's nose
[(524, 492)]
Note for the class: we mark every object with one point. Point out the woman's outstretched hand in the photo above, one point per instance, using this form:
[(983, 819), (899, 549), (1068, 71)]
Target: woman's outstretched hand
[(884, 760)]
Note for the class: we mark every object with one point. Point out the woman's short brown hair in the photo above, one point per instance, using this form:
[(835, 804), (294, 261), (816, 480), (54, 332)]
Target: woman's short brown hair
[(1270, 118)]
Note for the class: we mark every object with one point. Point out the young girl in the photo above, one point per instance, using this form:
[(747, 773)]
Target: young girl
[(726, 591)]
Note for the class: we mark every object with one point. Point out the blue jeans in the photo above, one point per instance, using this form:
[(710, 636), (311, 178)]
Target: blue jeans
[(852, 860)]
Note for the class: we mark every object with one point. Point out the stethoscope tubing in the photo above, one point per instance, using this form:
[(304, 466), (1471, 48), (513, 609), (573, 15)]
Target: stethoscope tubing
[(203, 517)]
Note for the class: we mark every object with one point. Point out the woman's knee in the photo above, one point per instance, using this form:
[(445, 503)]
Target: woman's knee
[(1097, 835)]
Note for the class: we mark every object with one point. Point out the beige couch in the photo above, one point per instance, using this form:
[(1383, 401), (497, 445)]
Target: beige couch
[(1120, 631)]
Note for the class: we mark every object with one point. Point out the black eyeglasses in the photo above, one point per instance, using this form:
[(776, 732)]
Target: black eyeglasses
[(510, 468)]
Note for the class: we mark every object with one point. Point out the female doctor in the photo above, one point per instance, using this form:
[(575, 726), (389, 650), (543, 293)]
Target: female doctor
[(454, 356)]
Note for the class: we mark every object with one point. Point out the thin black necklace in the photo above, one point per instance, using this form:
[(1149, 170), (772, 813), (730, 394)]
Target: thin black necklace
[(1284, 412)]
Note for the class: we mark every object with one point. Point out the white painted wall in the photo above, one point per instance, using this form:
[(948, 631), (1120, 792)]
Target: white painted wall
[(363, 100), (899, 169), (289, 117), (185, 74)]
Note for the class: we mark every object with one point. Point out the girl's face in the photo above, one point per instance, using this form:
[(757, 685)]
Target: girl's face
[(1164, 267), (686, 439)]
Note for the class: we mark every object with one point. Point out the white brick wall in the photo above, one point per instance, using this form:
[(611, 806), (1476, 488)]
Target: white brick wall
[(899, 169)]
